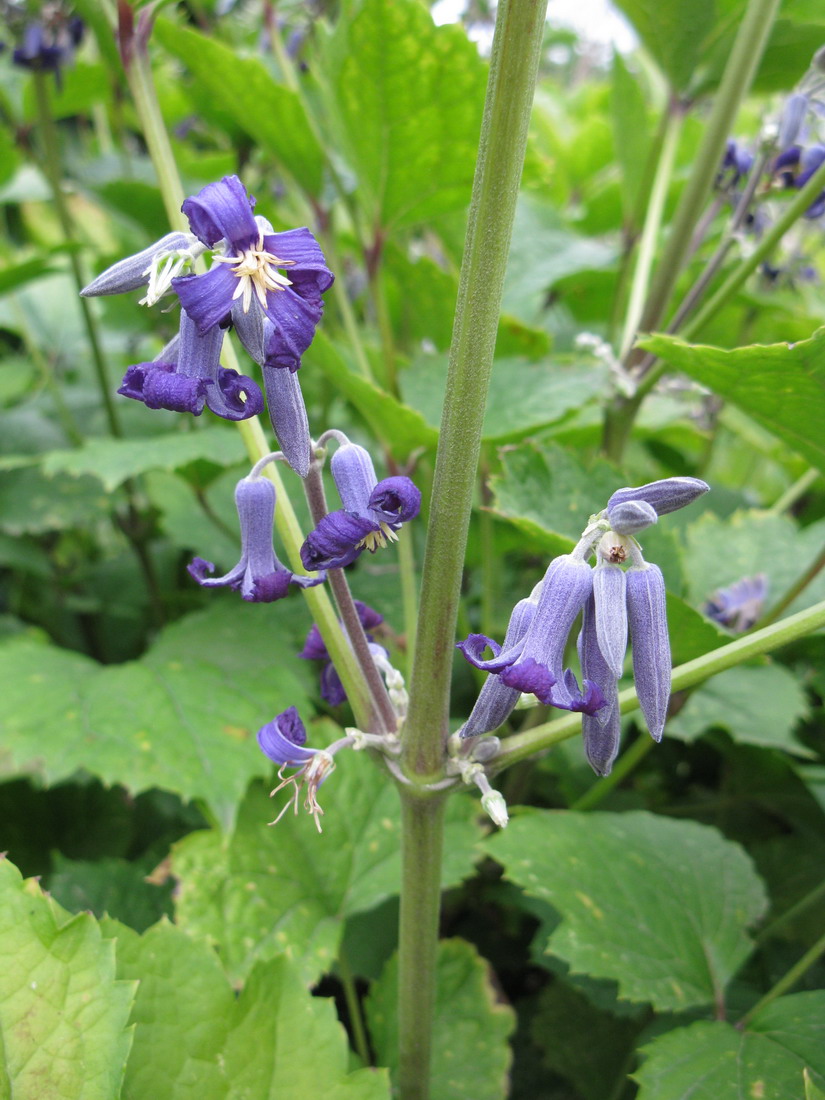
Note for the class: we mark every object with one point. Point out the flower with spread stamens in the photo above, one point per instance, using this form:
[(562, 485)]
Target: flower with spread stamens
[(279, 276), (259, 575), (372, 514), (284, 741)]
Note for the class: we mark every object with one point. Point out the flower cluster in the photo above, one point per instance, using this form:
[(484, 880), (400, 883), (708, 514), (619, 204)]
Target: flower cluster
[(613, 601), (268, 286), (372, 514), (739, 606), (45, 44)]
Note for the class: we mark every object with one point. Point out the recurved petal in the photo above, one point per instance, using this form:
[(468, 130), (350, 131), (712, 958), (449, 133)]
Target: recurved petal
[(647, 619), (336, 541), (395, 500), (283, 739)]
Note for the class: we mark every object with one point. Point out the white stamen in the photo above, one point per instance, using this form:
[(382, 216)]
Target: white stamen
[(257, 272)]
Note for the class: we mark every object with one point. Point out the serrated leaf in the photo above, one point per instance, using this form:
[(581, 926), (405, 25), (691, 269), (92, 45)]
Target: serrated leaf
[(782, 386), (658, 905), (410, 96), (287, 889), (195, 1039), (114, 886), (113, 461), (272, 115), (715, 1061), (62, 1013), (757, 706), (182, 718), (471, 1055)]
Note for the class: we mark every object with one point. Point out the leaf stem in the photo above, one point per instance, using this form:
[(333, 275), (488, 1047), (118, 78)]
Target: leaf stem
[(522, 745), (621, 769), (640, 284), (795, 491), (811, 898), (787, 980), (356, 1015)]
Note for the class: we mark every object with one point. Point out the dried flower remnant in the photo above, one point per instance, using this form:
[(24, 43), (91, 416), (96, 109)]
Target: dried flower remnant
[(283, 740)]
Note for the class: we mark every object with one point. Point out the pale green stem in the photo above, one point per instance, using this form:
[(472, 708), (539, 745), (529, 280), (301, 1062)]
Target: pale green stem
[(811, 898), (787, 981), (323, 613), (409, 590), (356, 1016), (340, 299), (511, 84), (793, 493), (629, 759), (652, 226), (522, 745)]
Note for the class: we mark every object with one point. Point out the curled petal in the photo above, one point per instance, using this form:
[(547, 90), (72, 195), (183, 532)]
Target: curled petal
[(222, 210), (474, 645), (336, 541), (283, 739), (530, 677), (588, 701), (158, 386), (235, 396), (201, 571), (395, 500)]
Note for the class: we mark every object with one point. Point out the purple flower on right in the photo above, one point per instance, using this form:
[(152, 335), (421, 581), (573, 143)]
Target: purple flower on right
[(623, 595)]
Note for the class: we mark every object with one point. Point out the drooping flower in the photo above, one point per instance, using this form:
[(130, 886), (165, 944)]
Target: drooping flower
[(188, 374), (48, 43), (259, 575), (284, 741), (258, 274), (332, 690), (601, 732), (647, 620), (372, 514)]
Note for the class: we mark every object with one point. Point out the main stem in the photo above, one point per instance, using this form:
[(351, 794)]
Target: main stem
[(510, 88)]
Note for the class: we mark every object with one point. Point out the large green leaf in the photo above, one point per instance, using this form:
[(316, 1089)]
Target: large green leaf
[(63, 1015), (287, 889), (272, 115), (673, 31), (522, 398), (715, 1061), (409, 95), (182, 718), (113, 461), (658, 905), (758, 706), (782, 386), (196, 1040), (471, 1055)]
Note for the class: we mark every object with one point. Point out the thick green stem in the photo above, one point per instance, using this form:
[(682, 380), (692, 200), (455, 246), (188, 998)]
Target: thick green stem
[(523, 745), (513, 68), (422, 830), (409, 590), (511, 84)]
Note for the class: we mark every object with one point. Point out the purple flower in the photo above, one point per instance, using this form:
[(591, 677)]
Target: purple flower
[(601, 732), (736, 163), (739, 605), (332, 690), (647, 619), (49, 43), (283, 739), (373, 511), (665, 496), (261, 275), (534, 664), (259, 575), (793, 116), (188, 375), (628, 517), (496, 700), (610, 613)]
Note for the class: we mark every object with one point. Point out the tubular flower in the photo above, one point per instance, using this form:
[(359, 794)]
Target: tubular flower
[(188, 375), (372, 514), (614, 602), (332, 690), (739, 605), (259, 575), (260, 275), (283, 740)]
